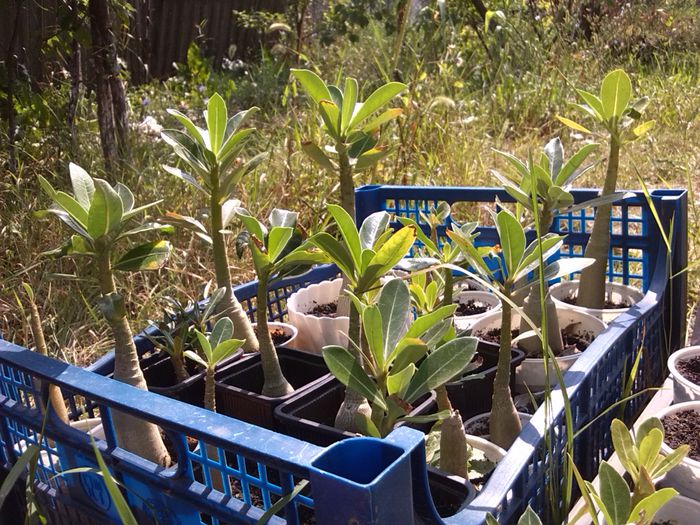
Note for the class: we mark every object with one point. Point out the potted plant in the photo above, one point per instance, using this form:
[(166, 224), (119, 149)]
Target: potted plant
[(542, 187), (681, 424), (615, 112), (101, 217), (277, 251), (515, 262), (363, 257), (351, 131), (684, 365), (215, 170)]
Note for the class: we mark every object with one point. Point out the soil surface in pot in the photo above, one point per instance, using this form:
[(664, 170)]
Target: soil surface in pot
[(279, 336), (573, 342), (683, 428), (472, 307), (690, 369), (608, 305), (324, 310)]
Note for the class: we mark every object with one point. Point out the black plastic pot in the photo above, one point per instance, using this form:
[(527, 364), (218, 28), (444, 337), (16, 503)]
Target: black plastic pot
[(449, 493), (238, 386), (473, 396), (310, 416)]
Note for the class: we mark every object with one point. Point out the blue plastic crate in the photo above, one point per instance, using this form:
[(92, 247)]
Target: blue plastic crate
[(344, 481)]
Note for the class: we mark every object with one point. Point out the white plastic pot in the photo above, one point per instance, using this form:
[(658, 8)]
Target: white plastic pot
[(289, 330), (680, 511), (683, 389), (530, 374), (316, 332), (464, 322), (685, 478), (474, 423), (615, 292), (492, 452)]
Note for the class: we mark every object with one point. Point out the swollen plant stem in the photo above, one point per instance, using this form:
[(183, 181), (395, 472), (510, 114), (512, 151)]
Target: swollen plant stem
[(353, 403), (209, 389), (347, 185), (242, 329), (275, 384), (55, 395), (591, 290), (504, 424), (179, 365), (133, 434)]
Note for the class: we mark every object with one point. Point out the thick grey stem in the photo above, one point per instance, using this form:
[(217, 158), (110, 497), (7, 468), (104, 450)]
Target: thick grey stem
[(133, 434), (454, 450), (347, 185), (354, 403), (210, 389), (242, 328), (504, 425), (591, 292), (275, 385), (55, 395)]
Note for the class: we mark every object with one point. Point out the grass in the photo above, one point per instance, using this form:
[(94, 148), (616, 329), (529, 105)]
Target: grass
[(462, 102)]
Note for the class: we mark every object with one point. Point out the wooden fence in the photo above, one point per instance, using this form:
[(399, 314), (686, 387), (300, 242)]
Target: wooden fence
[(159, 32)]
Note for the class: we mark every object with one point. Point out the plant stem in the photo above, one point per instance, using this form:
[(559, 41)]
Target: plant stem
[(55, 395), (591, 290), (179, 364), (454, 450), (275, 384), (210, 389), (347, 185), (504, 424), (242, 329), (133, 434)]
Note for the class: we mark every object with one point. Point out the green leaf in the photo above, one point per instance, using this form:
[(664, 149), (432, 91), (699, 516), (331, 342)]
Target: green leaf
[(125, 195), (650, 447), (512, 239), (573, 125), (125, 514), (594, 104), (83, 186), (194, 356), (253, 225), (105, 210), (277, 241), (573, 163), (555, 154), (183, 221), (425, 322), (348, 371), (146, 228), (529, 517), (224, 349), (233, 146), (644, 128), (645, 510), (376, 100), (427, 418), (397, 383), (349, 101), (194, 131), (394, 304), (331, 118), (278, 505), (366, 426), (490, 520), (189, 150), (135, 211), (204, 344), (348, 231), (312, 84), (228, 211), (409, 351), (148, 256), (624, 447), (387, 256), (614, 493), (30, 455), (441, 365), (217, 118), (48, 189), (189, 179), (223, 330), (318, 156), (671, 460), (551, 243), (370, 157), (337, 252), (72, 207), (372, 329), (372, 228), (374, 124), (236, 121), (615, 93)]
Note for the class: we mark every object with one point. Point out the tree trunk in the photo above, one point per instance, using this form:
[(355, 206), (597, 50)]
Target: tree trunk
[(504, 425), (75, 70), (275, 384), (591, 291), (11, 64), (99, 26), (242, 328), (133, 434)]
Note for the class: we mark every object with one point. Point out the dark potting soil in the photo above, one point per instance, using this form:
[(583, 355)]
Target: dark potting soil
[(279, 337), (572, 342), (471, 307), (690, 369), (325, 310), (665, 522), (683, 428), (608, 305)]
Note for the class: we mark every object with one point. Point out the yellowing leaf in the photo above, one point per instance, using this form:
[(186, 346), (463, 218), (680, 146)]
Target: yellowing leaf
[(573, 125), (644, 128)]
